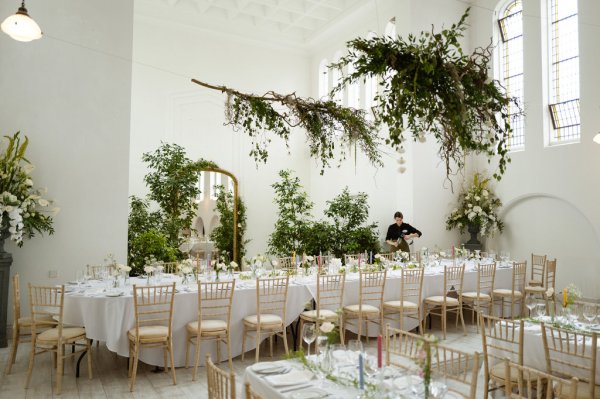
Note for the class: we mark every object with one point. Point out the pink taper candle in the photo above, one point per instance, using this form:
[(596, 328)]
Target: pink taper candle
[(379, 357)]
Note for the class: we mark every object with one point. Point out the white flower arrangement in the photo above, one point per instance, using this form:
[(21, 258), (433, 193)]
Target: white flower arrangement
[(123, 268), (327, 327), (258, 258), (336, 263), (220, 267), (233, 265), (186, 269), (149, 269), (404, 256), (274, 263), (23, 211), (477, 206)]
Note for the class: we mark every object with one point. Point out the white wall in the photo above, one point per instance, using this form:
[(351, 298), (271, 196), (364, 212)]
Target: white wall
[(550, 193), (167, 106), (70, 93)]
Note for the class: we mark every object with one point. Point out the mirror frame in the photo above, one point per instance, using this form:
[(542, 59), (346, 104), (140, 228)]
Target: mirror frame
[(235, 205)]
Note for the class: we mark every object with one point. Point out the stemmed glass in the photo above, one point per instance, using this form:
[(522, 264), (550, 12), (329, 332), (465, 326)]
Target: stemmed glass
[(530, 303), (79, 278), (589, 312), (355, 345), (309, 334), (541, 309), (323, 360)]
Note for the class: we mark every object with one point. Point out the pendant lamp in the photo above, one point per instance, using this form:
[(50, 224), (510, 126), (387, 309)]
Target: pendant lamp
[(21, 27)]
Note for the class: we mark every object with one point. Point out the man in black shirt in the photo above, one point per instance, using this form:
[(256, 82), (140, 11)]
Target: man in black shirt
[(399, 233)]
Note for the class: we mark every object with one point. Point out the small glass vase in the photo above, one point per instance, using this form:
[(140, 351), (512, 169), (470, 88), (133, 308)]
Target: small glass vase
[(217, 276)]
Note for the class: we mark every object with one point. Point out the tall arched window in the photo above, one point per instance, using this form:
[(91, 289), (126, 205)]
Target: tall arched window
[(353, 90), (370, 85), (563, 38), (336, 78), (510, 24), (390, 28), (323, 79)]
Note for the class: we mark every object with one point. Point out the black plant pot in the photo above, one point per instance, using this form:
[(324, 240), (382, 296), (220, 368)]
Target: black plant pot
[(5, 262)]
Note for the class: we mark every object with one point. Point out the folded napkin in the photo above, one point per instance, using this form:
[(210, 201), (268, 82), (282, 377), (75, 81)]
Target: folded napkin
[(294, 377)]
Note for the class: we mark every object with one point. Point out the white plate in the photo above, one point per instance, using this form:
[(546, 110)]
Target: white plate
[(309, 393), (114, 294), (269, 368)]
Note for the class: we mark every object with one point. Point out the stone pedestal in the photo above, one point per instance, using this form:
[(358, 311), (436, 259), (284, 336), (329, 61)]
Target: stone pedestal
[(5, 262)]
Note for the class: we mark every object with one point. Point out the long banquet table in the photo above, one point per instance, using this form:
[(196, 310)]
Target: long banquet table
[(107, 319)]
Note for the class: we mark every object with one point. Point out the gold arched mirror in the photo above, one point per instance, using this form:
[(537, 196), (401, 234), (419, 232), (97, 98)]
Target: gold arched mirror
[(208, 218)]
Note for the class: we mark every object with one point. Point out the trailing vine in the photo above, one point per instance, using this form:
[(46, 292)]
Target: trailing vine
[(428, 86), (327, 123)]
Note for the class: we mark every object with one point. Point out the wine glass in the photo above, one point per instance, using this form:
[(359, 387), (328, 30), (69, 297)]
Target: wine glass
[(438, 389), (355, 345), (309, 334), (541, 309), (79, 278), (323, 360), (589, 312), (530, 303)]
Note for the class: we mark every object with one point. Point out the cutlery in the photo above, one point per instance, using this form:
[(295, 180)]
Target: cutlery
[(296, 387)]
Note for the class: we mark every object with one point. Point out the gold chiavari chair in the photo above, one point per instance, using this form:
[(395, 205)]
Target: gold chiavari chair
[(97, 272), (482, 298), (459, 368), (572, 354), (213, 323), (169, 267), (370, 303), (46, 305), (409, 305), (538, 270), (537, 385), (549, 282), (514, 295), (221, 384), (355, 258), (269, 320), (501, 338), (330, 295), (388, 256), (250, 394), (287, 264), (451, 301), (21, 325), (153, 306), (403, 349)]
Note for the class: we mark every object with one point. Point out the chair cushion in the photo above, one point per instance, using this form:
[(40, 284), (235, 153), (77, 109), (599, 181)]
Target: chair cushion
[(365, 308), (324, 314), (440, 299), (505, 292), (207, 326), (51, 335), (400, 304), (148, 332), (266, 319), (536, 289), (473, 295)]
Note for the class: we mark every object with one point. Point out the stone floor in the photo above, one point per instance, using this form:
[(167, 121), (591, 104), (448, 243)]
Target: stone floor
[(110, 374)]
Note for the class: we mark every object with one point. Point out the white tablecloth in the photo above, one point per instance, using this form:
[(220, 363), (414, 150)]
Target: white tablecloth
[(108, 319)]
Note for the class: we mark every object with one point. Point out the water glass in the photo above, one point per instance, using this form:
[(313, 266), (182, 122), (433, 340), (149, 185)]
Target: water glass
[(79, 276), (541, 309), (589, 312), (530, 303), (355, 345), (309, 334)]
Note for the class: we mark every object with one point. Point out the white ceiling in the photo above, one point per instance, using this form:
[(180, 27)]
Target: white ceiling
[(280, 21)]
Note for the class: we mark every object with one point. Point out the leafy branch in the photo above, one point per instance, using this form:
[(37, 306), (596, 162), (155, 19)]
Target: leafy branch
[(429, 86), (326, 123)]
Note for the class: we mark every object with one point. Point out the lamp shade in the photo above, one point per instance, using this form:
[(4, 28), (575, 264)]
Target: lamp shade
[(21, 27), (597, 138)]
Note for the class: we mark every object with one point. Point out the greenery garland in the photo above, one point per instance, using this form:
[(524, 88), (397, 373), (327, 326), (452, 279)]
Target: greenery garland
[(428, 86), (326, 123)]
